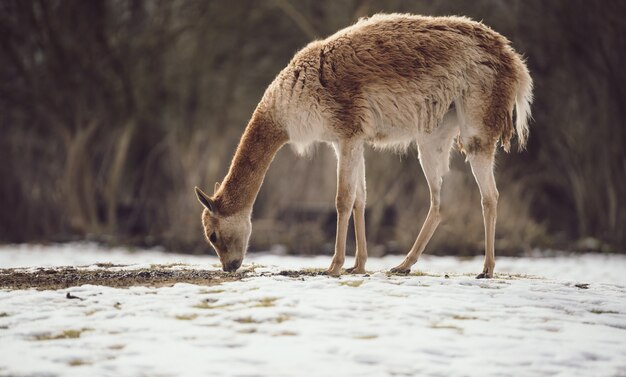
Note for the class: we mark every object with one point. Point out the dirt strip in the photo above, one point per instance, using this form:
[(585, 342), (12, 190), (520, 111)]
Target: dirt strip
[(156, 276)]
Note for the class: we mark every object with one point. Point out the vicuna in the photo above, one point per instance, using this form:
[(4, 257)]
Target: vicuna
[(389, 81)]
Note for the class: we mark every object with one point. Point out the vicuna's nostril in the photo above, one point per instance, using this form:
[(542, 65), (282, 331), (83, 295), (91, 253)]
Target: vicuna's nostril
[(232, 266)]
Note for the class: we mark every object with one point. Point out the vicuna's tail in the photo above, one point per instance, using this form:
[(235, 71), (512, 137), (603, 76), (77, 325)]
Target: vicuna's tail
[(523, 99)]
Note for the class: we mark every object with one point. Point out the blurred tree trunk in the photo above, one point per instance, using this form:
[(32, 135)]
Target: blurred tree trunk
[(116, 171), (79, 178)]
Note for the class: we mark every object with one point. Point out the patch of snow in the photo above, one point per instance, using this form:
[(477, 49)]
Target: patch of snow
[(374, 325)]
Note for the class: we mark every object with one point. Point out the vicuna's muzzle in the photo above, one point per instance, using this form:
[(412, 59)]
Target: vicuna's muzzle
[(232, 266)]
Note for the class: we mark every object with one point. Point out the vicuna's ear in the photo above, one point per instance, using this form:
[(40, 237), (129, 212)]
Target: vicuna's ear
[(217, 187), (205, 201)]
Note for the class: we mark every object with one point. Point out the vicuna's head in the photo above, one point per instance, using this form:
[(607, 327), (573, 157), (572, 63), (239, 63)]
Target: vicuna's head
[(228, 235)]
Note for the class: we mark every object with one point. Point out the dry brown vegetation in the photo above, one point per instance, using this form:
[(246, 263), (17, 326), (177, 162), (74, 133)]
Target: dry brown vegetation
[(111, 111), (65, 277)]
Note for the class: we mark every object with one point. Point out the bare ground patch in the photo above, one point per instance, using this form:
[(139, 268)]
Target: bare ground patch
[(155, 276), (64, 277)]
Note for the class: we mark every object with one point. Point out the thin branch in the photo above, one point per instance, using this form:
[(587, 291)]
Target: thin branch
[(297, 17)]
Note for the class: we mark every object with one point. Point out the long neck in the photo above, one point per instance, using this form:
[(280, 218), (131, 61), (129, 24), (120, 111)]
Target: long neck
[(260, 142)]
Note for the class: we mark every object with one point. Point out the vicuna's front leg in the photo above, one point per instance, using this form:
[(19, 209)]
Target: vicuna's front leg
[(358, 215), (348, 157)]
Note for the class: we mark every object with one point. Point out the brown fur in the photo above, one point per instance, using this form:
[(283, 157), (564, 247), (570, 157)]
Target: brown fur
[(259, 143)]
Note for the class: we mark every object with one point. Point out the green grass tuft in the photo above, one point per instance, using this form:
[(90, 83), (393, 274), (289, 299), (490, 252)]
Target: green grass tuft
[(600, 311)]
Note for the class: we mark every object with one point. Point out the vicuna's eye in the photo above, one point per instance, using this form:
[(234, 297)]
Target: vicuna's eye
[(213, 237)]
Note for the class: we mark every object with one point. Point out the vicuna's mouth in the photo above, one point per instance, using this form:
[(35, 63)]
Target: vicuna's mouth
[(232, 266)]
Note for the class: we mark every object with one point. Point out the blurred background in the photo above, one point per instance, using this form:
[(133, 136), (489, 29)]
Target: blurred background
[(112, 111)]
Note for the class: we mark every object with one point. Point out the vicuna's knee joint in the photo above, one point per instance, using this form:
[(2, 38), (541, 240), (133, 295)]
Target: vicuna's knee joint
[(344, 204), (436, 213), (358, 204), (435, 198), (435, 204), (490, 203)]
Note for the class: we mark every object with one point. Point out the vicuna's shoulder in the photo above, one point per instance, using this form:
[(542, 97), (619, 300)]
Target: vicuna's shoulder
[(391, 19), (307, 57)]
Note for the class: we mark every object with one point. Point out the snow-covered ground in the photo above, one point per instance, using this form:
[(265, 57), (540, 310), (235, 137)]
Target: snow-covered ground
[(531, 321)]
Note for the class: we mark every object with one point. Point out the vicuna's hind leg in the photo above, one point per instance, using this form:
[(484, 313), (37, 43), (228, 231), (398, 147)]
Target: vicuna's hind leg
[(434, 178), (482, 167), (358, 215), (348, 157), (434, 157)]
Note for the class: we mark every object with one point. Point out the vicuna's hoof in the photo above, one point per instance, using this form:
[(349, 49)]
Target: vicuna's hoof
[(484, 275), (334, 272), (356, 270), (400, 270)]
